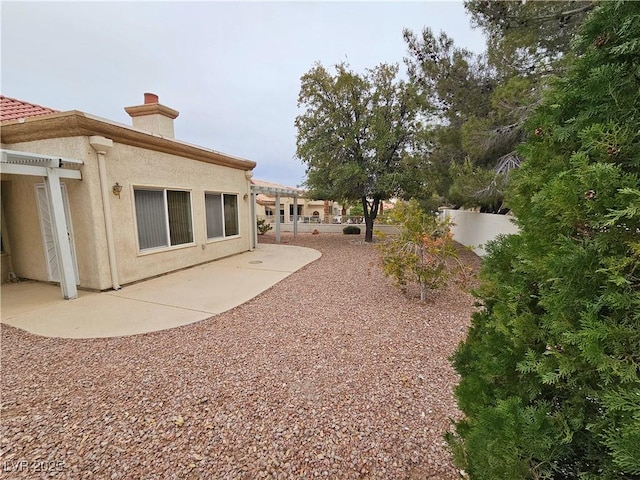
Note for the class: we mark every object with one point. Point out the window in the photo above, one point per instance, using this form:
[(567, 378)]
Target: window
[(299, 210), (163, 217), (222, 215)]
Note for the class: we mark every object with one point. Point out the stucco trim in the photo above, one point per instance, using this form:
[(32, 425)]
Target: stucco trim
[(75, 123), (151, 109)]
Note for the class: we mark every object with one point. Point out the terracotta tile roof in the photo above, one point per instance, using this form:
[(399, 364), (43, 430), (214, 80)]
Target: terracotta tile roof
[(262, 199), (13, 109)]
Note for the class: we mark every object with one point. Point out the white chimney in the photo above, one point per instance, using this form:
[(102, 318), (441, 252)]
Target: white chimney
[(152, 116)]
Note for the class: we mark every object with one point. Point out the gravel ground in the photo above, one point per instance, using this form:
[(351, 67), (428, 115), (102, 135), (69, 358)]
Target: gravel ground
[(332, 373)]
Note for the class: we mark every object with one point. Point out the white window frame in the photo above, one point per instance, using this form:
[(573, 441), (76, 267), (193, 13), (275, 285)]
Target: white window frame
[(224, 233), (163, 248)]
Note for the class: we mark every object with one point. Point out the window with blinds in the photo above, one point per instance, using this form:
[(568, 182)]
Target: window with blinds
[(221, 210), (163, 217)]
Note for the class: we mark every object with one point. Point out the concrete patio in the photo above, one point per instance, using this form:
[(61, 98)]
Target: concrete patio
[(169, 301)]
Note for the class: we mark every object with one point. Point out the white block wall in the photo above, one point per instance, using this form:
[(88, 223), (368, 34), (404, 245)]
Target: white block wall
[(332, 228), (475, 229)]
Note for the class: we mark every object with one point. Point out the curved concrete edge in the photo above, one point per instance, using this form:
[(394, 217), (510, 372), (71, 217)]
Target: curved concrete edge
[(161, 303)]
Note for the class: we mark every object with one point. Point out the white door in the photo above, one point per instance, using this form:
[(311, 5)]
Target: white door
[(44, 211)]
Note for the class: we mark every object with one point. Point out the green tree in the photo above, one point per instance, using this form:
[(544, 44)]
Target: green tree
[(528, 39), (474, 186), (550, 384), (423, 252), (484, 100), (356, 135), (356, 210), (465, 126)]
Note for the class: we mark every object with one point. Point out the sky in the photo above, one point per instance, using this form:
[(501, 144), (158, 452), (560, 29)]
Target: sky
[(232, 69)]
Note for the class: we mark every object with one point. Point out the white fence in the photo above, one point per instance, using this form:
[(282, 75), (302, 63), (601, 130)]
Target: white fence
[(475, 229), (333, 228), (315, 219)]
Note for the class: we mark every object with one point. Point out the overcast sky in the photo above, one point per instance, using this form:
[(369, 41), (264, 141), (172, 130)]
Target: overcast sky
[(232, 69)]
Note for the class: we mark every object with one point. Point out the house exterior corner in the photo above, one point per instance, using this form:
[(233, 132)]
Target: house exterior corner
[(176, 205)]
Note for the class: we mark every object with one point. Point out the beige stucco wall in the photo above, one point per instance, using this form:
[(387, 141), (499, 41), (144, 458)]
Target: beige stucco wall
[(6, 267), (130, 166), (85, 206), (23, 227)]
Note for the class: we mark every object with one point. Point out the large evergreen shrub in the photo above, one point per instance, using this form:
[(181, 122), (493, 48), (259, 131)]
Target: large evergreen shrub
[(550, 383)]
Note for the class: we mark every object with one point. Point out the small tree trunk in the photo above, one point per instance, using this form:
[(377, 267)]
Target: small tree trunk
[(368, 234), (370, 214), (423, 285), (327, 211)]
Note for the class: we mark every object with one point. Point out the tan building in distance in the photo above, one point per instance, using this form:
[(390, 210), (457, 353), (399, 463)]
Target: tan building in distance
[(309, 211), (92, 203)]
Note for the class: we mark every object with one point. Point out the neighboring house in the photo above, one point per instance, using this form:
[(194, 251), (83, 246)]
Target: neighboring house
[(308, 211), (93, 203)]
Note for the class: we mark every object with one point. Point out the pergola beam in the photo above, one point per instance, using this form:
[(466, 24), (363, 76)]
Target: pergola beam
[(61, 235), (24, 158), (37, 171), (295, 217), (278, 192), (34, 164)]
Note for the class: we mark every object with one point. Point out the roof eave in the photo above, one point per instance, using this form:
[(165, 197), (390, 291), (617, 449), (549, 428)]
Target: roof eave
[(75, 123)]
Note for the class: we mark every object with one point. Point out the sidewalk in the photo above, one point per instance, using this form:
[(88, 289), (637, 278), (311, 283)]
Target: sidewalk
[(160, 303)]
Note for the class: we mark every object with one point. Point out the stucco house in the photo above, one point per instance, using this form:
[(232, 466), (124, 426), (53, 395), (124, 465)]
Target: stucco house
[(308, 210), (96, 204)]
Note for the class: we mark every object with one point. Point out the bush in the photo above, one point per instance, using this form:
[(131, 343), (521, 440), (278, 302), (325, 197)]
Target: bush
[(263, 227), (549, 370), (351, 230), (423, 252)]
